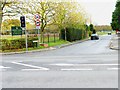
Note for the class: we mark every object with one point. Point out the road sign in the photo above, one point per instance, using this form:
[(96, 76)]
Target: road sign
[(16, 30), (37, 23), (37, 16)]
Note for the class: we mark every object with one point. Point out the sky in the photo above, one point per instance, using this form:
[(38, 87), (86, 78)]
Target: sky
[(100, 11)]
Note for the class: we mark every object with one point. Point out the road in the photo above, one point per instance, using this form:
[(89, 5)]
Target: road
[(90, 64)]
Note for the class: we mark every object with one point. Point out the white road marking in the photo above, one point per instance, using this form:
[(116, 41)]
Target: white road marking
[(113, 68), (31, 69), (63, 64), (2, 67), (76, 69), (27, 65), (100, 64)]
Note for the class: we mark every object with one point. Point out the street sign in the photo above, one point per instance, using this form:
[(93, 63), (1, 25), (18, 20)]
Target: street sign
[(37, 23), (16, 30), (37, 16)]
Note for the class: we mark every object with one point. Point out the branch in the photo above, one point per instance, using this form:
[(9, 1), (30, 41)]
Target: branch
[(3, 4)]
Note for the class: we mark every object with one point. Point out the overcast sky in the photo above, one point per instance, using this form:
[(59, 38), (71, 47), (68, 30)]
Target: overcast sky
[(99, 10)]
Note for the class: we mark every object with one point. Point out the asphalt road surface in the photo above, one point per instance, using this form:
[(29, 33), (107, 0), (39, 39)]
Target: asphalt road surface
[(90, 64)]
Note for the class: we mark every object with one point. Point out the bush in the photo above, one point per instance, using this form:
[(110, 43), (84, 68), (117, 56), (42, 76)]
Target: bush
[(15, 44), (5, 44), (73, 34)]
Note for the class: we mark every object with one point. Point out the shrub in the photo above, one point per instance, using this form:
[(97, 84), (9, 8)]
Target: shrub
[(15, 44), (73, 34)]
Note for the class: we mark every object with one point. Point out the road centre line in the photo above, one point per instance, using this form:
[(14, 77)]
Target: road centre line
[(113, 68), (27, 65), (76, 69), (63, 64), (31, 69)]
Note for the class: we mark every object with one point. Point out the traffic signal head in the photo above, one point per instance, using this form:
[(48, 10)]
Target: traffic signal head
[(22, 20)]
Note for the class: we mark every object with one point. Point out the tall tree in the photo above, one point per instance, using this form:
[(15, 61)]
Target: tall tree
[(10, 8), (69, 14), (45, 10), (115, 25), (6, 25)]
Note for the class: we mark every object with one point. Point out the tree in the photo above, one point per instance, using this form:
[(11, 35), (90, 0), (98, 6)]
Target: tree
[(6, 25), (10, 8), (115, 25), (91, 27), (46, 11), (103, 27), (69, 14)]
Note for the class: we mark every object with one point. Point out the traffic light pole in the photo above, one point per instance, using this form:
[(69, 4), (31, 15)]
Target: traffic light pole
[(26, 40), (23, 25)]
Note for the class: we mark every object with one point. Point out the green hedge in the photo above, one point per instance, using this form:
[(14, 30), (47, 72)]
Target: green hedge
[(73, 34), (15, 44)]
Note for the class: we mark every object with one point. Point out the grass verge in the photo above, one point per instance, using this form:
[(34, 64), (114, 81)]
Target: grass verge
[(51, 44)]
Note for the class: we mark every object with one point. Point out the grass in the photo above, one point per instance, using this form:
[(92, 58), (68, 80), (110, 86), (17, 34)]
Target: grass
[(51, 44), (104, 33), (57, 43)]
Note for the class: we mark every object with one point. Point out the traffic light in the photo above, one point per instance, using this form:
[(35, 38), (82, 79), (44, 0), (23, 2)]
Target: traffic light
[(22, 19)]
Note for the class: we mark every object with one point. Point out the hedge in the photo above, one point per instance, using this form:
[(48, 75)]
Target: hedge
[(15, 44), (73, 34)]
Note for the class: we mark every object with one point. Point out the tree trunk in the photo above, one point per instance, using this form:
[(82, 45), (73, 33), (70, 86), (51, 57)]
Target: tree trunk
[(65, 34), (41, 36)]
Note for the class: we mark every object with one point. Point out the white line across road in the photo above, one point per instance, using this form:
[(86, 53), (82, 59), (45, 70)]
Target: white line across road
[(32, 66)]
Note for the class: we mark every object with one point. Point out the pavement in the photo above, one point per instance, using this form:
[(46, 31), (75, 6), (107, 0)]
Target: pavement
[(114, 44), (46, 49)]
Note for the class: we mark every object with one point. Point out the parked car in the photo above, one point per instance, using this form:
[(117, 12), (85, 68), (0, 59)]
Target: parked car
[(109, 33), (94, 37)]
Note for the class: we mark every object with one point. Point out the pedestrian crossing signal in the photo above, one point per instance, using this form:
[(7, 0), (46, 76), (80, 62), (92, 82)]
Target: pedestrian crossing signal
[(22, 19)]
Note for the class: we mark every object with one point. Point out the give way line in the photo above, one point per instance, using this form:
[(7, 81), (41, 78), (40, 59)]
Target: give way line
[(32, 66)]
